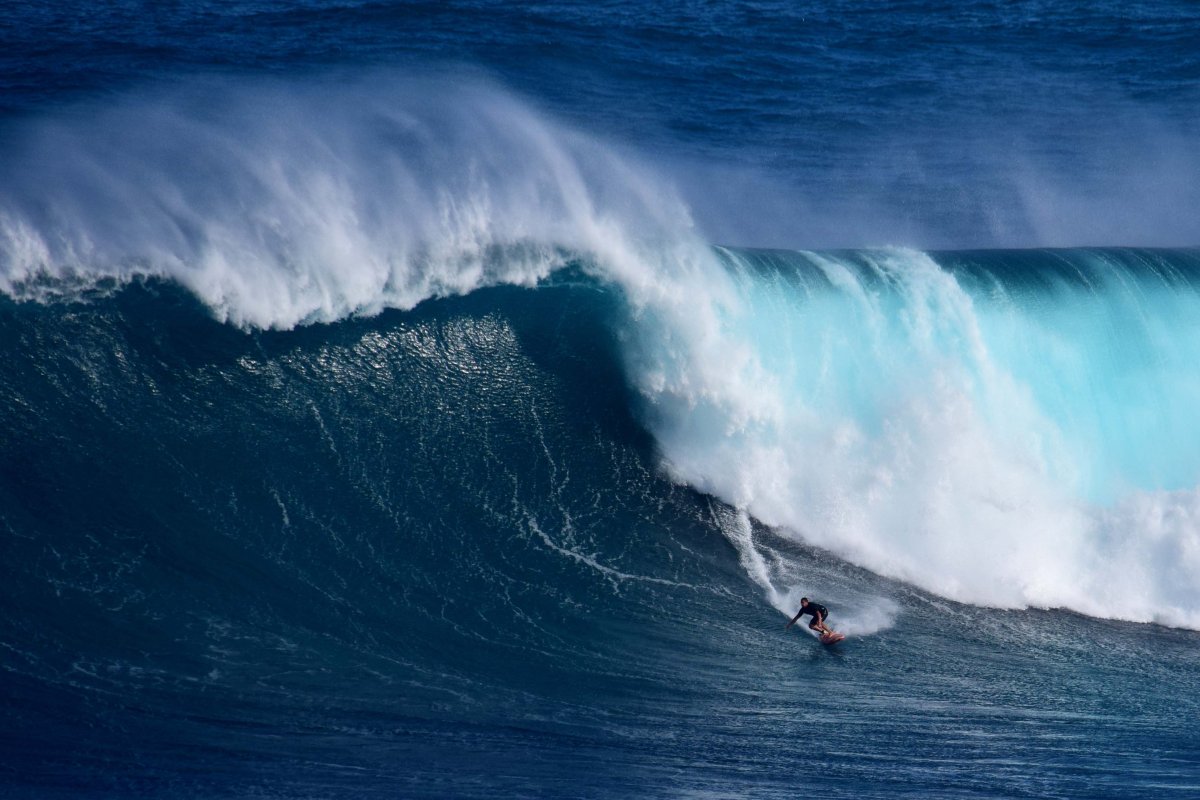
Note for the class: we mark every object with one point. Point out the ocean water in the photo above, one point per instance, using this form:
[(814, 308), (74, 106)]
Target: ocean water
[(456, 399)]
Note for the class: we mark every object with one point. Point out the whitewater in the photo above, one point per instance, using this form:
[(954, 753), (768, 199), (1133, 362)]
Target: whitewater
[(431, 410)]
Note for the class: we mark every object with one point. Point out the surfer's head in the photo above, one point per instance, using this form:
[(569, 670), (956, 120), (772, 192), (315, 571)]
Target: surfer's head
[(803, 601)]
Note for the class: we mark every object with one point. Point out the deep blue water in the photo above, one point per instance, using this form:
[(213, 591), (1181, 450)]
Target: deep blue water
[(456, 399)]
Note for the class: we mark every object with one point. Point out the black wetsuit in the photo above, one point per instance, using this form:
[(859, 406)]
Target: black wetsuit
[(813, 609)]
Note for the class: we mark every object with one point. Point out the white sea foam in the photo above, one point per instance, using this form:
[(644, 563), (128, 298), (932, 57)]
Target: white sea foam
[(878, 615), (883, 420)]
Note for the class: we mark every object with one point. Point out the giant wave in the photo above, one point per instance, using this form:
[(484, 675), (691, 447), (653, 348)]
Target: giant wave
[(1009, 428)]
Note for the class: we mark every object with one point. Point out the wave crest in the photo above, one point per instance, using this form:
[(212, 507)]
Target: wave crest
[(280, 204)]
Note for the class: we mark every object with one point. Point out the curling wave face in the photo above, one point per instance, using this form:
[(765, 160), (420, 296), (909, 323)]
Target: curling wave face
[(1007, 429)]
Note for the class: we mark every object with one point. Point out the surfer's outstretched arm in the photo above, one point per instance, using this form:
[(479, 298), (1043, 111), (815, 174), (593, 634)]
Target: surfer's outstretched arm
[(793, 622)]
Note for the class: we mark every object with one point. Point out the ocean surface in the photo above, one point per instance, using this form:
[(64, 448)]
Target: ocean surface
[(455, 399)]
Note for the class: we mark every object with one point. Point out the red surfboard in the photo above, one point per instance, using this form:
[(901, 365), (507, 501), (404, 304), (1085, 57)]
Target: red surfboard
[(831, 638)]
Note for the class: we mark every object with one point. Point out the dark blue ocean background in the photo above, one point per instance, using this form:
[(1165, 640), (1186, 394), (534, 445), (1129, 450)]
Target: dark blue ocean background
[(455, 399)]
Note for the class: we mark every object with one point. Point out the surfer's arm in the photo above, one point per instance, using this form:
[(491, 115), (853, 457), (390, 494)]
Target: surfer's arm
[(793, 622)]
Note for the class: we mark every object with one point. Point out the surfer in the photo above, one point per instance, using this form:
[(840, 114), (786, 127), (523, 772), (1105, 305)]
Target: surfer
[(819, 614)]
